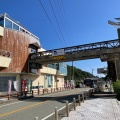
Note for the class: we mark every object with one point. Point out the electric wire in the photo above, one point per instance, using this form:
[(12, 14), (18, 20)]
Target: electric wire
[(61, 16), (62, 19), (50, 21), (67, 22), (57, 22)]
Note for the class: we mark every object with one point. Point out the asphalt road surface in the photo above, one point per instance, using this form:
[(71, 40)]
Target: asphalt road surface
[(41, 106)]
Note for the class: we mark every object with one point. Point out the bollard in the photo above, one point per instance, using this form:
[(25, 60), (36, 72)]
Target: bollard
[(36, 118), (17, 94), (51, 89), (67, 109), (47, 90), (79, 100), (38, 91), (8, 96), (25, 93), (32, 92), (56, 113), (74, 103), (43, 91), (88, 94), (83, 97)]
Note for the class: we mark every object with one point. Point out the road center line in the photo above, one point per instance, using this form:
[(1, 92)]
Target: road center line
[(2, 115)]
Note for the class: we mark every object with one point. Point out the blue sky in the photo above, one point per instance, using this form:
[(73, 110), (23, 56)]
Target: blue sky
[(79, 22)]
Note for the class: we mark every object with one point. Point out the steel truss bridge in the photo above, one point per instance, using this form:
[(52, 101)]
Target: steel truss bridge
[(100, 50)]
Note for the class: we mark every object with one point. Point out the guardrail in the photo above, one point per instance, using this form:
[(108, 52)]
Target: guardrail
[(71, 106), (50, 90), (35, 92)]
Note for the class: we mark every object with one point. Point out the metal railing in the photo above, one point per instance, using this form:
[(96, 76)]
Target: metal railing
[(111, 44)]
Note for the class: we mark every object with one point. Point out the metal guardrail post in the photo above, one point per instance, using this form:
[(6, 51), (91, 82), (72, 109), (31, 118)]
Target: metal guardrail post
[(56, 113), (67, 109), (79, 100), (83, 97), (74, 103)]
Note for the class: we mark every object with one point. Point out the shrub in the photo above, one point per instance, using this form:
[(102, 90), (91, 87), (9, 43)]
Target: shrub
[(116, 87)]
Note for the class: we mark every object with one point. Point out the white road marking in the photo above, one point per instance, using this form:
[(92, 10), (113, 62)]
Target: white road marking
[(34, 98), (11, 104), (54, 112)]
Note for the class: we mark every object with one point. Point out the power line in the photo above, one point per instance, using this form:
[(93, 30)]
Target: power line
[(67, 22), (57, 22), (61, 16), (50, 21), (62, 19)]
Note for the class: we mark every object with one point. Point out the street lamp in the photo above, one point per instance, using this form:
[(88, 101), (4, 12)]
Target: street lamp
[(116, 24), (92, 72)]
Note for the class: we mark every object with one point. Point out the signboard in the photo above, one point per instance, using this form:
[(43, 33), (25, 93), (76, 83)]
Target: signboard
[(61, 57), (58, 52)]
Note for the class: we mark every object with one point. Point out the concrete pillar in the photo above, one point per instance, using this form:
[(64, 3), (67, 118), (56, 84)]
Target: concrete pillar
[(118, 31), (117, 66), (112, 70), (19, 82)]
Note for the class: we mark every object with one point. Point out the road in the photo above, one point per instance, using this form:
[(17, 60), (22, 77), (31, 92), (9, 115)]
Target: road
[(39, 106)]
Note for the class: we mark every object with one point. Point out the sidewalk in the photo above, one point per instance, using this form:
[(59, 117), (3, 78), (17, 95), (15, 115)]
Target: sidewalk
[(96, 109), (4, 100)]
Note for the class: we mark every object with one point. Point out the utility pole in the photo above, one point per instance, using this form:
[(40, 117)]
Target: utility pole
[(92, 72), (73, 83), (72, 71)]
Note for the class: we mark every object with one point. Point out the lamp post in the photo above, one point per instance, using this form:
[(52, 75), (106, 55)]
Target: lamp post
[(92, 72), (116, 24)]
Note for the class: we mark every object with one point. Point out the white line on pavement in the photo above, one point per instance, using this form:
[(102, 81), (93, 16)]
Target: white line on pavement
[(54, 112), (11, 103)]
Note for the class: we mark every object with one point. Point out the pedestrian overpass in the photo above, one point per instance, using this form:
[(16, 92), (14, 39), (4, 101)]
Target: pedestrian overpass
[(107, 51)]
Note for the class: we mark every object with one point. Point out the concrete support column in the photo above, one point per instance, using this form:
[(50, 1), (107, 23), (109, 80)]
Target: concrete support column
[(19, 82), (117, 66)]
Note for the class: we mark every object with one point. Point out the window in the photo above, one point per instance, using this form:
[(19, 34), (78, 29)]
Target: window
[(8, 24), (4, 83), (2, 22), (15, 27)]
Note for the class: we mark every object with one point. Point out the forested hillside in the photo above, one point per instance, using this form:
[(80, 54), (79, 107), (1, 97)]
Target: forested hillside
[(78, 74)]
